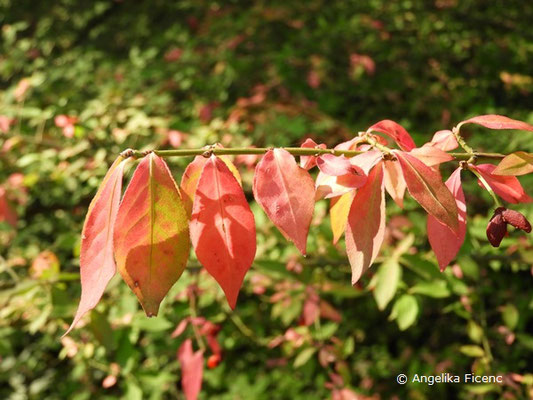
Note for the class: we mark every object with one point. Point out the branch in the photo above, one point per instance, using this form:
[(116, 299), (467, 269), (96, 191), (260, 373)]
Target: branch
[(296, 151)]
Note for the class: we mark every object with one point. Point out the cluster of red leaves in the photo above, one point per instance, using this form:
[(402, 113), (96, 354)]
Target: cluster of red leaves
[(148, 233)]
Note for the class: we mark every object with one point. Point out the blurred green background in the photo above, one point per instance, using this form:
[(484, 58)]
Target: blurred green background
[(81, 81)]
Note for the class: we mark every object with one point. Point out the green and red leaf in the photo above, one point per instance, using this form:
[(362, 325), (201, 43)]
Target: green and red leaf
[(515, 164), (426, 187), (97, 265), (223, 227), (444, 242), (151, 233)]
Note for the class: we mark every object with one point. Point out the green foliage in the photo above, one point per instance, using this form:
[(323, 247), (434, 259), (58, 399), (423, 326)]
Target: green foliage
[(147, 74)]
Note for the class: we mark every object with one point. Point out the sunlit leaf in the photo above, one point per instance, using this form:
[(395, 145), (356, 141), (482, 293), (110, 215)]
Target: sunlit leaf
[(396, 132), (518, 163), (151, 233), (493, 121)]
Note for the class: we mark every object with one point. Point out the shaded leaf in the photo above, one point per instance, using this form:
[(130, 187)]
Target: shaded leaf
[(396, 132), (286, 193), (427, 188), (97, 265), (7, 214), (507, 187), (472, 350), (151, 233), (223, 228), (444, 242), (192, 367), (366, 224), (405, 311), (338, 214), (386, 283), (394, 181), (493, 121), (518, 163)]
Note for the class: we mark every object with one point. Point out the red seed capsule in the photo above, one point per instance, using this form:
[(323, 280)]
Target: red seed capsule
[(496, 229), (517, 220)]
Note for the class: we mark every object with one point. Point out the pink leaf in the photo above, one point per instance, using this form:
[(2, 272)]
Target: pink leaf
[(367, 160), (308, 162), (444, 242), (328, 186), (444, 140), (493, 121), (334, 165), (286, 193), (507, 187), (366, 224), (97, 263), (192, 367), (396, 132), (223, 228), (427, 188), (430, 155), (394, 181)]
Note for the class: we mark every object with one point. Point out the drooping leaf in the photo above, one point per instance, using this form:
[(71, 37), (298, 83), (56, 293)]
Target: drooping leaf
[(493, 121), (308, 162), (431, 155), (330, 186), (151, 233), (334, 165), (427, 188), (338, 214), (518, 163), (387, 278), (444, 140), (396, 132), (286, 193), (444, 242), (7, 213), (192, 367), (394, 181), (507, 187), (367, 160), (97, 265), (189, 180), (366, 224), (223, 228)]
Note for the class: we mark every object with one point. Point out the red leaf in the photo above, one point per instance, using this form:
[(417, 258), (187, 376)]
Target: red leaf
[(366, 224), (329, 186), (493, 121), (507, 187), (367, 160), (189, 180), (97, 265), (7, 214), (396, 132), (223, 228), (151, 233), (192, 367), (308, 162), (444, 242), (430, 155), (443, 140), (394, 181), (427, 188), (286, 193)]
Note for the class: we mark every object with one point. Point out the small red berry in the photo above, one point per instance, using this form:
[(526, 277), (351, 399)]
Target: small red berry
[(213, 361)]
